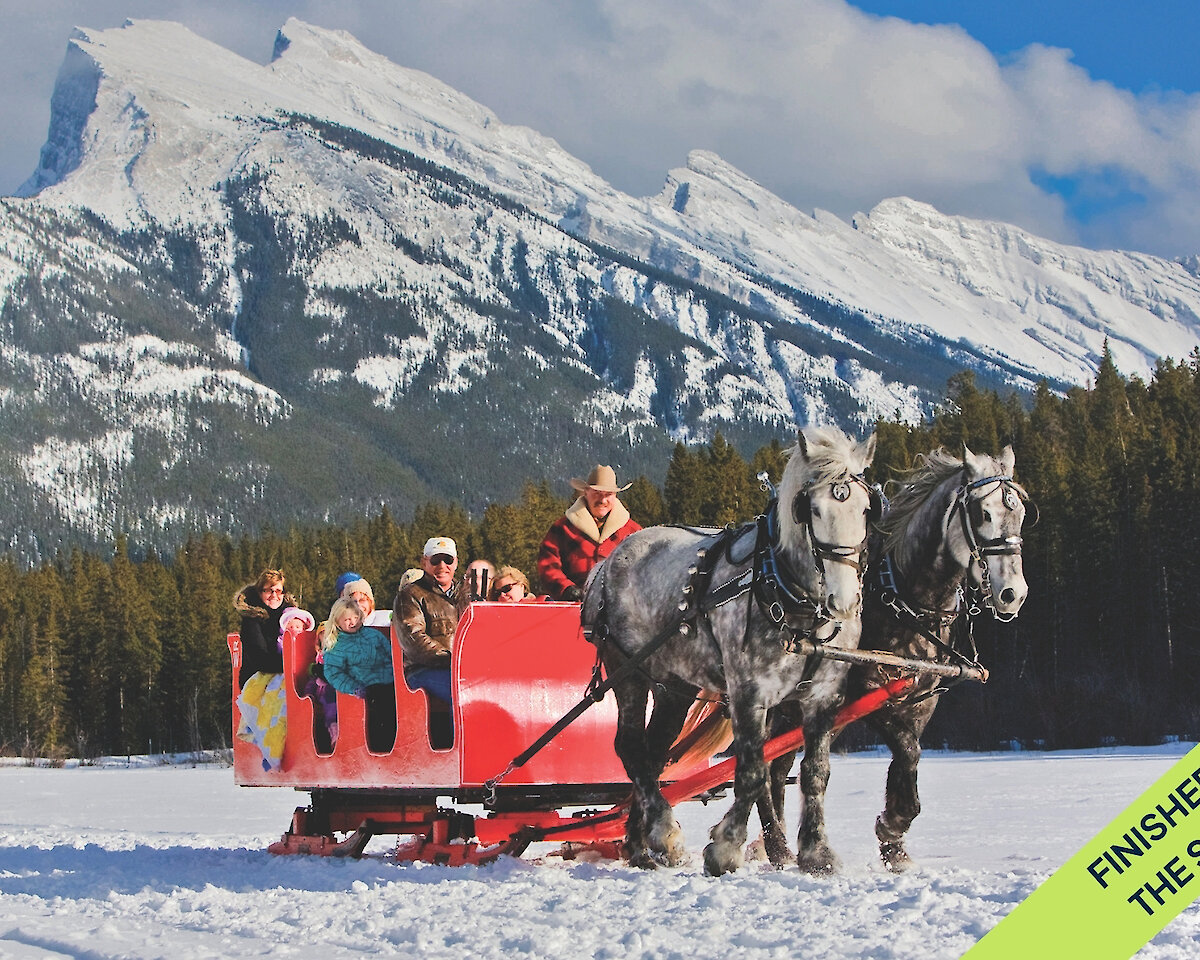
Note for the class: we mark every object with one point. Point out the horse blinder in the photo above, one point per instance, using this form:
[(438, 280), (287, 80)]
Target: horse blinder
[(1010, 495), (802, 509), (975, 511), (875, 510)]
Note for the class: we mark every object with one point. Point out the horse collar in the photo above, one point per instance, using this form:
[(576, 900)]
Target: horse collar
[(929, 623), (774, 593)]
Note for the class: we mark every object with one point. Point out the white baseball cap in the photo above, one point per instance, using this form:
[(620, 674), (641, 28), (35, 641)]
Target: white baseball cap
[(436, 545)]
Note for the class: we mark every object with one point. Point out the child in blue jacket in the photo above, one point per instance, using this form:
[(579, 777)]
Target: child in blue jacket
[(358, 661)]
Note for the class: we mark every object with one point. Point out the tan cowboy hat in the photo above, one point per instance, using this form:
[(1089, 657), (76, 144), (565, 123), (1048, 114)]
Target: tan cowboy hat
[(602, 477)]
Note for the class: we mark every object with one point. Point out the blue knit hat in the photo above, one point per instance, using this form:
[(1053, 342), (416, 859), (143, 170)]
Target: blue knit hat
[(344, 579)]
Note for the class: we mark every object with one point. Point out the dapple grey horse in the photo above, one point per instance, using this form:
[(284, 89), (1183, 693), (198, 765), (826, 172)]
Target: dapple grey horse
[(948, 546), (740, 597)]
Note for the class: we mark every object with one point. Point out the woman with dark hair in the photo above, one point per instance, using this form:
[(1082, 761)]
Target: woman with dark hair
[(262, 703), (261, 604)]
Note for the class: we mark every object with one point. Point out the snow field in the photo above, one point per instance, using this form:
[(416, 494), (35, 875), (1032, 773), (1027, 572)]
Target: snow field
[(169, 861)]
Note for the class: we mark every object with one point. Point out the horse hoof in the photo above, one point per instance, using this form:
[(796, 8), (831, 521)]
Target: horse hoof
[(895, 857), (818, 862), (643, 861), (667, 842), (718, 862), (763, 850)]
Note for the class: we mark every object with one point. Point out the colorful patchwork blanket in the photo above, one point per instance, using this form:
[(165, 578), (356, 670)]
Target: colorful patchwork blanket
[(262, 709)]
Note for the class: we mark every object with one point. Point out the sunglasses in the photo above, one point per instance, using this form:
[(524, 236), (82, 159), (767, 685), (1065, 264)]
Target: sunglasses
[(443, 559), (506, 588)]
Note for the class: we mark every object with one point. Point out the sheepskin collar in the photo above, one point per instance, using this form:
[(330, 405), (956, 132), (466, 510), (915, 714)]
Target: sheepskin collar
[(585, 523)]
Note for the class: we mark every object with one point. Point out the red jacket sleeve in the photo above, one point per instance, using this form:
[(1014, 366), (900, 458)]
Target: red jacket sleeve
[(550, 562)]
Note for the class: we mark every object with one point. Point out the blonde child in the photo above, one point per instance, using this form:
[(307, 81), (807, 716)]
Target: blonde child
[(359, 662)]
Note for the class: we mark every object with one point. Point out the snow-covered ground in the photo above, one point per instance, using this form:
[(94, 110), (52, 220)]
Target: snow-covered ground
[(149, 861)]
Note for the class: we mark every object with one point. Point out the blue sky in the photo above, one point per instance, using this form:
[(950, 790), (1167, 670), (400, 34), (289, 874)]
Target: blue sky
[(1134, 45), (1076, 121)]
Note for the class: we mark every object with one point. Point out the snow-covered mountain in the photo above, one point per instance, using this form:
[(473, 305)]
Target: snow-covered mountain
[(234, 291)]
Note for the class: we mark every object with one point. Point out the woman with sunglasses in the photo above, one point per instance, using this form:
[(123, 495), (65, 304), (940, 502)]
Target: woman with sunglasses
[(261, 604), (509, 586)]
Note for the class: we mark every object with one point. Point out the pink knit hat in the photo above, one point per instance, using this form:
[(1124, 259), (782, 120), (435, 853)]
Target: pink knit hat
[(291, 613)]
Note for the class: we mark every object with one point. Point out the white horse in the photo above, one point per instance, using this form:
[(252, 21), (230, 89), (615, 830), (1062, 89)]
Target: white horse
[(720, 610)]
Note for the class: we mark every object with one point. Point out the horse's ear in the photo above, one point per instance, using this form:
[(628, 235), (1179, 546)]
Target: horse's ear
[(869, 457), (967, 455), (1008, 460), (802, 443)]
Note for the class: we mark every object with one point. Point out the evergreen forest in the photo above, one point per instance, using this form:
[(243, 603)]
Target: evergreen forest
[(117, 654)]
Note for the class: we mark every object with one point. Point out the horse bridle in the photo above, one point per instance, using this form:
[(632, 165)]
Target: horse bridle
[(970, 511), (840, 489), (772, 585)]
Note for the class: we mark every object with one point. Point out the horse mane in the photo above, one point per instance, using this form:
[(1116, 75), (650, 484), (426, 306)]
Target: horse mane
[(832, 456), (929, 472)]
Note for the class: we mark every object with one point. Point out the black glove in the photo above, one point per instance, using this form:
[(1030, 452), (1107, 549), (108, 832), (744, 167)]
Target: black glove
[(317, 670), (573, 593)]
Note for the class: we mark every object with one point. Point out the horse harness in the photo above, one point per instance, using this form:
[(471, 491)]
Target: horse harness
[(935, 625), (769, 577)]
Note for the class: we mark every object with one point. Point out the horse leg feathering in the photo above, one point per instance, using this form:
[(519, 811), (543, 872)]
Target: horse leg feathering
[(651, 827), (813, 852), (724, 853)]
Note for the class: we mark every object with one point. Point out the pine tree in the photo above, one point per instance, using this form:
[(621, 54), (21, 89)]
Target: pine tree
[(726, 485), (511, 534), (644, 502), (87, 652), (42, 691), (205, 678), (136, 656), (683, 487), (10, 654)]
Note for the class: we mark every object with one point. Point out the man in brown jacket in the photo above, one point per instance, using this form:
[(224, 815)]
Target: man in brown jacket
[(426, 617)]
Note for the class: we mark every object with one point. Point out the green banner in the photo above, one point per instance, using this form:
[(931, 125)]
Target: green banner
[(1121, 889)]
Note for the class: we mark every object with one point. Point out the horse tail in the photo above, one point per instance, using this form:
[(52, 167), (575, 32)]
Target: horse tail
[(707, 730)]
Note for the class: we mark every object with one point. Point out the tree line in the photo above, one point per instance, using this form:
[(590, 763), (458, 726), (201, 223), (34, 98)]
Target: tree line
[(123, 654)]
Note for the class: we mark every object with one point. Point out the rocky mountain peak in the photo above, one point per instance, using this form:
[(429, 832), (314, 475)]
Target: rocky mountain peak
[(229, 275)]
